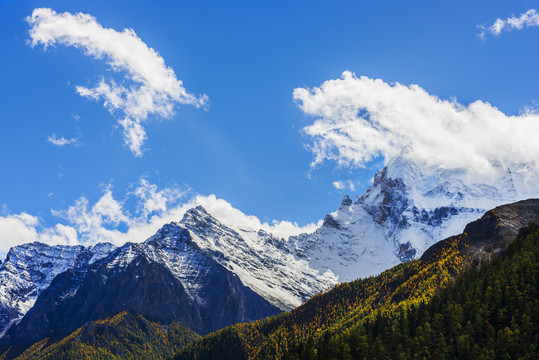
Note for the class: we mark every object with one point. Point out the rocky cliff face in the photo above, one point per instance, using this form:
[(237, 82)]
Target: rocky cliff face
[(403, 212), (492, 233), (30, 268), (495, 230), (262, 261)]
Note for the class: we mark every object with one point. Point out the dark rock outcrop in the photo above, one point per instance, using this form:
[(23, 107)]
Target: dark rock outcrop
[(493, 232)]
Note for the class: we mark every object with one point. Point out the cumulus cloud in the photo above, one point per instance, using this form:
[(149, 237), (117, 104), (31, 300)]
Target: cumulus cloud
[(109, 220), (62, 141), (344, 184), (360, 119), (149, 87), (528, 19), (236, 219), (152, 200), (24, 228)]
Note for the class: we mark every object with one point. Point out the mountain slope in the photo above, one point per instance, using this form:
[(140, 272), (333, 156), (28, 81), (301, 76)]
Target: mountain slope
[(262, 261), (167, 278), (350, 304), (125, 335), (404, 211), (488, 314), (30, 268)]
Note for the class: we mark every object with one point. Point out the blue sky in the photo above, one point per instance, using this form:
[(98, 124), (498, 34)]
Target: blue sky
[(247, 144)]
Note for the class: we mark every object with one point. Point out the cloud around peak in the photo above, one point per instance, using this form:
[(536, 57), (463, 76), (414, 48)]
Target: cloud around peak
[(149, 87), (358, 119), (344, 184)]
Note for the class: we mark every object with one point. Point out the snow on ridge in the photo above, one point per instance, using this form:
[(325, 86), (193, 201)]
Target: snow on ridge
[(261, 261), (30, 268), (404, 211)]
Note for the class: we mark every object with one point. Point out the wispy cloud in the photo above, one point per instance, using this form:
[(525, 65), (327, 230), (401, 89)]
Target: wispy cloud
[(359, 119), (344, 184), (62, 141), (528, 19), (149, 87)]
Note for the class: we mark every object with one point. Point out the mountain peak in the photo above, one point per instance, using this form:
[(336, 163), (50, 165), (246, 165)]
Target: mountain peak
[(407, 208), (200, 210), (197, 216), (170, 236), (330, 222), (346, 201), (197, 210)]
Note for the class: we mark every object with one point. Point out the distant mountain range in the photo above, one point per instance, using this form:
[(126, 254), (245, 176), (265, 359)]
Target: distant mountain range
[(413, 308), (207, 274)]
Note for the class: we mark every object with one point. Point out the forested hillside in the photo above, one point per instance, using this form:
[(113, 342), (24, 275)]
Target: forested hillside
[(414, 310), (491, 313), (124, 336), (471, 296), (335, 311)]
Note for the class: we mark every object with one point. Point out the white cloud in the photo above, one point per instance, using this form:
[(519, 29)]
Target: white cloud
[(528, 19), (344, 184), (109, 219), (62, 141), (151, 200), (339, 185), (154, 88), (104, 220), (359, 119), (24, 228), (134, 135), (234, 218)]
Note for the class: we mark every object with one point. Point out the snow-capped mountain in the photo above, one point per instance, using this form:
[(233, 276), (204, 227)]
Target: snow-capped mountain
[(403, 212), (166, 278), (262, 261), (29, 269)]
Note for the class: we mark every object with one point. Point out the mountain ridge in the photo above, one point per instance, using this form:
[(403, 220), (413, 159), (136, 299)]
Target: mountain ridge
[(30, 268), (392, 293), (79, 295), (125, 335), (403, 212), (162, 279)]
